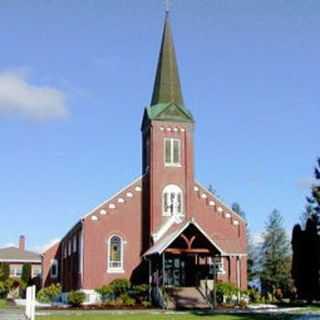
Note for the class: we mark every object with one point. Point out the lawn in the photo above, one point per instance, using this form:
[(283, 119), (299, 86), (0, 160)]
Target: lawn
[(173, 316), (3, 303)]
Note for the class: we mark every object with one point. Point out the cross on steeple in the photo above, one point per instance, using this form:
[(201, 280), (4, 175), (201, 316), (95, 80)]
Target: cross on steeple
[(167, 2)]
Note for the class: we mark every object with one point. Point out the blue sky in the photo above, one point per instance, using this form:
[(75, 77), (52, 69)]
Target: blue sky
[(76, 75)]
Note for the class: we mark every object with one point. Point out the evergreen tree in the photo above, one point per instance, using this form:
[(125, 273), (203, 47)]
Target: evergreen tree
[(314, 199), (211, 189), (236, 208), (305, 245), (26, 274), (275, 256), (306, 214), (4, 271)]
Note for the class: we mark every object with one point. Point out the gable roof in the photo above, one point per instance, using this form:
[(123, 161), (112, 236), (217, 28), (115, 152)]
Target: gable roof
[(226, 247), (13, 254)]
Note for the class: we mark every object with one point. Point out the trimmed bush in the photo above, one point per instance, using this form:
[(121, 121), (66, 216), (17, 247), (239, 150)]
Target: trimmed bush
[(127, 300), (49, 294), (76, 298), (106, 292), (140, 292), (121, 292), (254, 295), (226, 292), (120, 286)]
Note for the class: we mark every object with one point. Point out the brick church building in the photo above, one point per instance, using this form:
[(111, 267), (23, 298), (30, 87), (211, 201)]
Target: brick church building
[(164, 228)]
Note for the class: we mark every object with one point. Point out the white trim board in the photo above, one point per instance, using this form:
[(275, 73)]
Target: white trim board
[(112, 197), (21, 260), (222, 202)]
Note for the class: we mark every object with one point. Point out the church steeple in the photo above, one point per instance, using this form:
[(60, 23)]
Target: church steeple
[(167, 88)]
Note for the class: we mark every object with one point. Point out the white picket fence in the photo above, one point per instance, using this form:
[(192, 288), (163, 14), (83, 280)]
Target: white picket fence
[(31, 303)]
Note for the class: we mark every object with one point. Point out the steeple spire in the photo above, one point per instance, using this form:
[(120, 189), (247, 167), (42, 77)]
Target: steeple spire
[(167, 86)]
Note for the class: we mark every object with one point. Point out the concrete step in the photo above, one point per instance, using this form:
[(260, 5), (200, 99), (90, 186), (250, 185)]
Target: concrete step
[(186, 298)]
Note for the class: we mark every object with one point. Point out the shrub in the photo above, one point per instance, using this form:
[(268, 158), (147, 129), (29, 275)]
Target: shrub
[(140, 292), (76, 298), (120, 286), (226, 292), (254, 295), (3, 290), (127, 300), (243, 304), (106, 292), (146, 303), (49, 294), (278, 294)]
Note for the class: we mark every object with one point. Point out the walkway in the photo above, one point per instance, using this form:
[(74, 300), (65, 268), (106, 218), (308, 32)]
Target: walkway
[(12, 314)]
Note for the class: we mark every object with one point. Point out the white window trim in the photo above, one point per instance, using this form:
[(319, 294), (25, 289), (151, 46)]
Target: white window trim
[(14, 268), (172, 188), (171, 163), (34, 268), (219, 261), (119, 269), (54, 262)]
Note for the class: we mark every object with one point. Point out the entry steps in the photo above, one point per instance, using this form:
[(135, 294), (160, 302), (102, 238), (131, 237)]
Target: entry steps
[(186, 298)]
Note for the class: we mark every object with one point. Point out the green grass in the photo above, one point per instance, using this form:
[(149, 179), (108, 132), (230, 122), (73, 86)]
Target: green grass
[(173, 316), (3, 303)]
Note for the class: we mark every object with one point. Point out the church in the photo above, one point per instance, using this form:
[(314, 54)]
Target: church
[(164, 228)]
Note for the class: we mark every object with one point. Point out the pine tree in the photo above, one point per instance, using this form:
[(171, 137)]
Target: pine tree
[(305, 245), (236, 208), (306, 214), (314, 199), (275, 256), (211, 189)]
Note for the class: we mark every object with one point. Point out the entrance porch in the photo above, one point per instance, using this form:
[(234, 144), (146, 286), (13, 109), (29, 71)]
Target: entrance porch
[(186, 259)]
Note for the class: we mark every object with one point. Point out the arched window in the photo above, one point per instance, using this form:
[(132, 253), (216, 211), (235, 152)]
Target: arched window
[(54, 269), (115, 254), (172, 201)]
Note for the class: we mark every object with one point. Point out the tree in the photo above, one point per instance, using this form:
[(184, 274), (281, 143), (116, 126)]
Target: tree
[(26, 274), (237, 209), (275, 256), (314, 199), (306, 214), (211, 189), (305, 246), (4, 271)]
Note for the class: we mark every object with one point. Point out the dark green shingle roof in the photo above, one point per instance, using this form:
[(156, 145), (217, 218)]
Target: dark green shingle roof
[(167, 86)]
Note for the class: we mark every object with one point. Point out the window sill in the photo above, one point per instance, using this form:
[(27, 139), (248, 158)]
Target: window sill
[(166, 214), (169, 165), (115, 271)]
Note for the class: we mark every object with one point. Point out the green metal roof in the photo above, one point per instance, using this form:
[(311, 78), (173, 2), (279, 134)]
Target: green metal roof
[(169, 112), (167, 86), (167, 101)]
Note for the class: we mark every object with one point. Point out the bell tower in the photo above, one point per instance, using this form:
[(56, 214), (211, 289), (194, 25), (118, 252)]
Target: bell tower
[(167, 141)]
